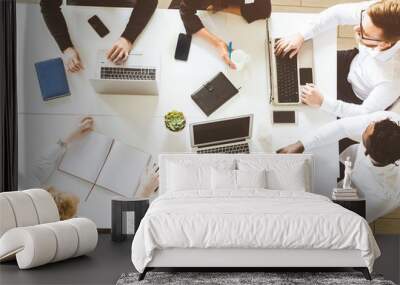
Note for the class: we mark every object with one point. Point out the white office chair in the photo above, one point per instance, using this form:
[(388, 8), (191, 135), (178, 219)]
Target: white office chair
[(31, 230)]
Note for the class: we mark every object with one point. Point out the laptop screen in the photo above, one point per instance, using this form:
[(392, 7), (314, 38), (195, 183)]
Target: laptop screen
[(221, 131)]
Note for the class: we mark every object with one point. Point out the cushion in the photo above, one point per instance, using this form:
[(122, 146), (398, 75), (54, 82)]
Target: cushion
[(223, 179), (183, 178), (226, 179), (193, 174), (289, 173), (23, 208), (251, 178), (6, 215), (40, 244)]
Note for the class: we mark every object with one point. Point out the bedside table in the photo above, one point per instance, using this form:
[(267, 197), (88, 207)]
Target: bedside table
[(357, 206), (126, 215)]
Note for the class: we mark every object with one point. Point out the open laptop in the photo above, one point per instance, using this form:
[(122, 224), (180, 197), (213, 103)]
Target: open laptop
[(289, 75), (139, 75), (230, 135)]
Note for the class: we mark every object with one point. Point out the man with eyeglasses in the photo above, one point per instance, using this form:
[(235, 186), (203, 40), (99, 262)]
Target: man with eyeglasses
[(368, 78), (376, 157)]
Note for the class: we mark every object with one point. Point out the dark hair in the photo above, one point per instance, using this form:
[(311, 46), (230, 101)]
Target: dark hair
[(383, 145)]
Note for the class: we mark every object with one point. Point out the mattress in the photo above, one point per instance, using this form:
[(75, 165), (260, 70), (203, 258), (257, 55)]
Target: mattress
[(251, 219)]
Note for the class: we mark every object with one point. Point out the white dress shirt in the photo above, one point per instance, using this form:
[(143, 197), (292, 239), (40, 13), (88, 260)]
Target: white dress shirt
[(374, 75), (380, 186), (44, 167)]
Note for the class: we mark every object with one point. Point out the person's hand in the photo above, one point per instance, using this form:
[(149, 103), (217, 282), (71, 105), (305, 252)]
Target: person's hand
[(149, 182), (85, 127), (222, 48), (72, 60), (292, 148), (120, 50), (288, 44), (311, 96)]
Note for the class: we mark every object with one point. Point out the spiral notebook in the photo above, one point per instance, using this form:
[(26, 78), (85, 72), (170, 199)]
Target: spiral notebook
[(214, 94), (106, 162)]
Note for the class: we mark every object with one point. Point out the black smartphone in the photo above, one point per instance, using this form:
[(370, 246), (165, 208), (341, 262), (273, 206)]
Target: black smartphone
[(306, 76), (183, 47), (284, 117), (98, 26)]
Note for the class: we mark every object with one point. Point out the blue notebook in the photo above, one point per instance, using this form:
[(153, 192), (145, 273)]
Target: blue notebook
[(52, 79)]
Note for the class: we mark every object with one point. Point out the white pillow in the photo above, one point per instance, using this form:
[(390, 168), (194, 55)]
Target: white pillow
[(226, 179), (251, 178), (282, 173), (223, 179), (180, 172), (181, 178)]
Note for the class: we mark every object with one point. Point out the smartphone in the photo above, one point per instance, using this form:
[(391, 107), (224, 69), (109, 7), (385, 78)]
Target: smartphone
[(284, 117), (183, 47), (306, 76), (98, 26)]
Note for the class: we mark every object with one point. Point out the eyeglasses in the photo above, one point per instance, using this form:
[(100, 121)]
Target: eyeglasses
[(362, 30)]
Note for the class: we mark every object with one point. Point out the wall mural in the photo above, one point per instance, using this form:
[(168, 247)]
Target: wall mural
[(103, 95)]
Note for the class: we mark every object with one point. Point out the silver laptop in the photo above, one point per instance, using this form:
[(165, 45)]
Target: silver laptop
[(139, 75), (287, 76), (230, 135)]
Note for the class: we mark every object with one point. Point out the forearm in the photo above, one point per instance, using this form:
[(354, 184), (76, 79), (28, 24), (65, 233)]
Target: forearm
[(47, 163), (343, 109), (233, 10), (191, 21), (55, 21), (208, 36), (139, 18), (325, 135), (342, 14), (379, 99)]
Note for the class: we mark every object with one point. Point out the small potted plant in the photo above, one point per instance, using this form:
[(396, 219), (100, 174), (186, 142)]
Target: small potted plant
[(175, 121)]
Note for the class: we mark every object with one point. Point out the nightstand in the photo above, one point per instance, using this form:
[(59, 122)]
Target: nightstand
[(126, 215), (357, 206)]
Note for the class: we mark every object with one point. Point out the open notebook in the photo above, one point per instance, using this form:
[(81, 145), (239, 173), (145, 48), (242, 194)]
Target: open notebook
[(106, 162)]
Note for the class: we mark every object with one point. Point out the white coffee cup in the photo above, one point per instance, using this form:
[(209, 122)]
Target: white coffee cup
[(240, 59)]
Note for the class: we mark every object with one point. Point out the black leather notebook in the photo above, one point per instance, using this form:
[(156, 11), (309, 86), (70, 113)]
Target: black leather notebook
[(214, 93)]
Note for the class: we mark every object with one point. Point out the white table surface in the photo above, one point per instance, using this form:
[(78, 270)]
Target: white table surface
[(138, 120)]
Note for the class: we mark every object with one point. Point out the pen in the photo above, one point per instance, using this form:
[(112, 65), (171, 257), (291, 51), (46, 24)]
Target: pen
[(230, 49)]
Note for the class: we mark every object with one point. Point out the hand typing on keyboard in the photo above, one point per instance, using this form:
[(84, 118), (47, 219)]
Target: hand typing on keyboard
[(291, 43), (311, 96), (120, 50)]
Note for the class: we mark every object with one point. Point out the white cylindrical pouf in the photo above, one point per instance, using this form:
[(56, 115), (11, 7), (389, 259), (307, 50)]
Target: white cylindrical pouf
[(23, 208), (87, 234), (45, 206), (67, 240), (7, 218), (33, 246)]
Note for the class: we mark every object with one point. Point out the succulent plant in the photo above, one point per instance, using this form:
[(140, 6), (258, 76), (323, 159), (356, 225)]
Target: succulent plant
[(175, 121)]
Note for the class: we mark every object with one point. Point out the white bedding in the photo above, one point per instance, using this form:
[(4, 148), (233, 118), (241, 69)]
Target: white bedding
[(253, 218)]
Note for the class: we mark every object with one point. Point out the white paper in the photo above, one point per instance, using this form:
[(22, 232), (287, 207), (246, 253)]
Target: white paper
[(84, 158), (123, 169)]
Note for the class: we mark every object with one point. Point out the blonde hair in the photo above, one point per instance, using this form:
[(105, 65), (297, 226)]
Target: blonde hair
[(385, 14)]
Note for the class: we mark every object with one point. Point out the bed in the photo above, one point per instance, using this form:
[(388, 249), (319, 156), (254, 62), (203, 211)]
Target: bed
[(245, 211)]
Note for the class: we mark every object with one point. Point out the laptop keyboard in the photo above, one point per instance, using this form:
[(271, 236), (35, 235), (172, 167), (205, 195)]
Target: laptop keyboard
[(123, 73), (237, 148), (287, 79)]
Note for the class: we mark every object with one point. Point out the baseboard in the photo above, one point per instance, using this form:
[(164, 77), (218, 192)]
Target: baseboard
[(104, 231)]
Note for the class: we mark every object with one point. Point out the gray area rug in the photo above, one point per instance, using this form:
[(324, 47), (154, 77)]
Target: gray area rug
[(243, 278)]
